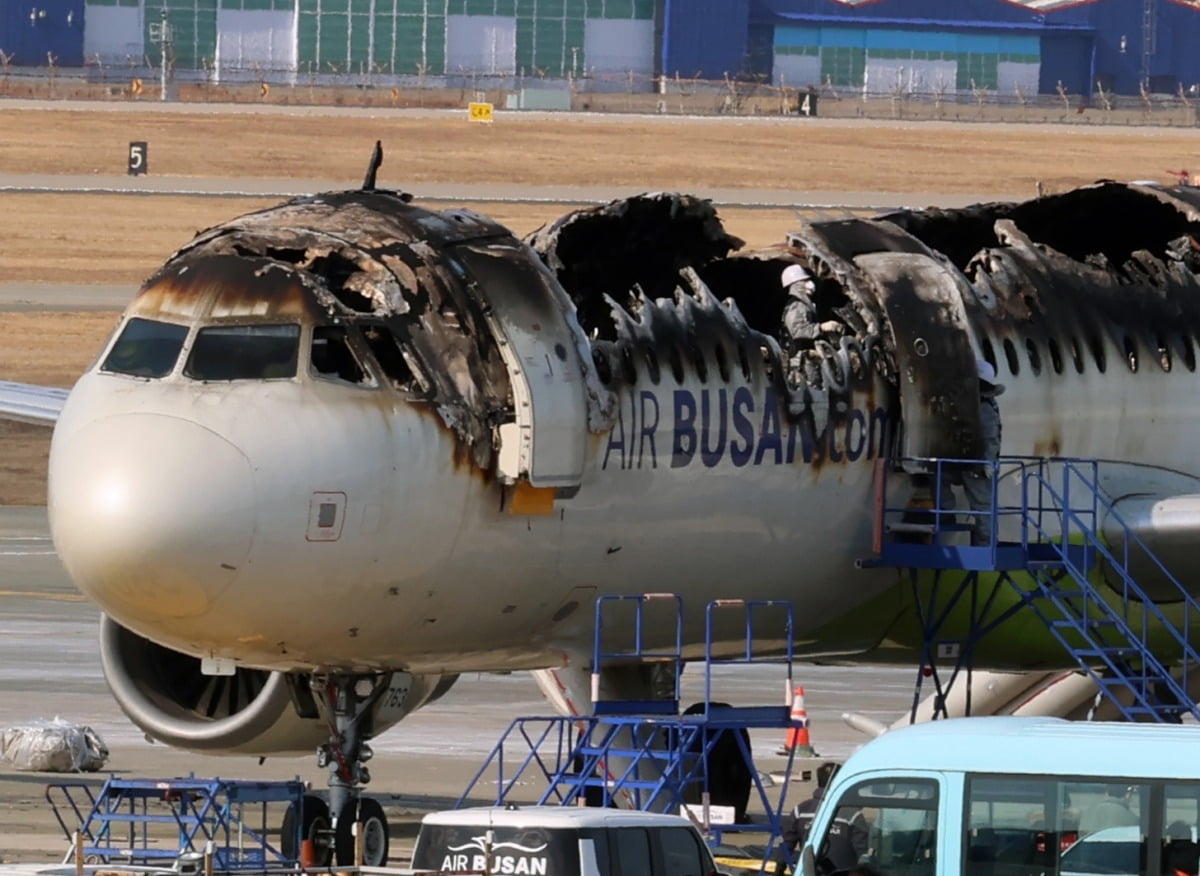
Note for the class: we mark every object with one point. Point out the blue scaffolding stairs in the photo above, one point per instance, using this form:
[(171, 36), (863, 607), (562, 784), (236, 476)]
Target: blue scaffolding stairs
[(163, 823), (1049, 547), (646, 754)]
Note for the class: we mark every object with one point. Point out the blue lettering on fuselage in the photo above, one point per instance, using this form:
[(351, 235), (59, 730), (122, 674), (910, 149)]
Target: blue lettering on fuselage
[(712, 427)]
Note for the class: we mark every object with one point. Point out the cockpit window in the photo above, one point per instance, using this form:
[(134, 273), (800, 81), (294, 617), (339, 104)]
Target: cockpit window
[(332, 357), (146, 348), (390, 356), (244, 352)]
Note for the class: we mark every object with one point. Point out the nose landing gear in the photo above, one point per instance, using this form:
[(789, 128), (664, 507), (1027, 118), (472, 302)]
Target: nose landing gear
[(347, 702)]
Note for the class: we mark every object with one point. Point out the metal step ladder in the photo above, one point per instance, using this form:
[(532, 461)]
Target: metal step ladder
[(1049, 547), (646, 754), (174, 823)]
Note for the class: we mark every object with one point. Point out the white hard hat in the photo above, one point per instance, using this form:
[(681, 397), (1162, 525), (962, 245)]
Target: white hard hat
[(794, 274), (985, 371)]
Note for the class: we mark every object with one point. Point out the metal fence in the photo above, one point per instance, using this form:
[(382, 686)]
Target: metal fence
[(139, 79)]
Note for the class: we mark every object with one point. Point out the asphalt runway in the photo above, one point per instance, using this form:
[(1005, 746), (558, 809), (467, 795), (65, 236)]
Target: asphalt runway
[(49, 667)]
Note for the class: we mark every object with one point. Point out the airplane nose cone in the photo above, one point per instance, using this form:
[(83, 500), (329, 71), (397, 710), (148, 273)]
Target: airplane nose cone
[(153, 516)]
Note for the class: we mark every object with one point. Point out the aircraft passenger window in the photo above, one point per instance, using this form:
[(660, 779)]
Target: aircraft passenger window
[(652, 366), (385, 346), (1010, 353), (701, 364), (332, 357), (603, 369), (1035, 358), (1098, 353), (1189, 352), (244, 352), (1164, 352), (146, 348), (1131, 355), (1076, 356), (1055, 356), (722, 362), (744, 362), (676, 364), (989, 354), (628, 365)]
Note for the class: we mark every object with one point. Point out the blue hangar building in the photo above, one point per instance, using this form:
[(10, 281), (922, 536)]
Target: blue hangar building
[(940, 45), (1006, 46)]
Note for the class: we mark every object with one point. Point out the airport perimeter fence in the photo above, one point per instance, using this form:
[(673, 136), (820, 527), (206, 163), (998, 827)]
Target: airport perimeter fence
[(138, 79)]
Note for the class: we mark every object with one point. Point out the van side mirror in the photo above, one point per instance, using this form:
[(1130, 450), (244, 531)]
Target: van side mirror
[(808, 864)]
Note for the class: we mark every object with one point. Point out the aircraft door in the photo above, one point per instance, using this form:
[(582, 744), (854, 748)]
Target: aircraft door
[(939, 392), (530, 319)]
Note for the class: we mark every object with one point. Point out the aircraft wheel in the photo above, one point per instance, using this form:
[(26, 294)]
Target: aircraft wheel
[(314, 825), (374, 828)]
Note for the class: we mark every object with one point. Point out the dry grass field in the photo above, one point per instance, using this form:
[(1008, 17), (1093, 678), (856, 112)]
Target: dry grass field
[(87, 239)]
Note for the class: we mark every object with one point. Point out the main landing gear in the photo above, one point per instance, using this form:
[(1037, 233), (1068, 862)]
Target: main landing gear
[(347, 702)]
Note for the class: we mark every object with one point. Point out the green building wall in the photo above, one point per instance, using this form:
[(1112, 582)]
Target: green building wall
[(403, 37)]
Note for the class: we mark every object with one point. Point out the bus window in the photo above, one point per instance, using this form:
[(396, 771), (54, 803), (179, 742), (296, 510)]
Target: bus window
[(1112, 833), (1016, 825), (891, 825), (1181, 850)]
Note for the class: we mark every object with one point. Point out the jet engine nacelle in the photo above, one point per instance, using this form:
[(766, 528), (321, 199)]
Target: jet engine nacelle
[(253, 711)]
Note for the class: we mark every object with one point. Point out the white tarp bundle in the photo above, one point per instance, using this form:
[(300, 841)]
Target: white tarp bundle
[(56, 746)]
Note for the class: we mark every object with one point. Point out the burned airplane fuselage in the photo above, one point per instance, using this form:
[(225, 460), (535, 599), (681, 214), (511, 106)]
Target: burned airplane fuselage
[(438, 443)]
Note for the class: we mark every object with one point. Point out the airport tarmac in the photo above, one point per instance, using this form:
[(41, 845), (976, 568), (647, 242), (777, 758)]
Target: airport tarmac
[(49, 666)]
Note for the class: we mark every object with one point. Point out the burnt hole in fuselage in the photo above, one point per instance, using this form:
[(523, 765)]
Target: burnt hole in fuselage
[(1066, 223), (336, 270)]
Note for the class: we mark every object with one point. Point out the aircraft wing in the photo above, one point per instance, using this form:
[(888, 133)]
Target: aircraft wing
[(27, 403)]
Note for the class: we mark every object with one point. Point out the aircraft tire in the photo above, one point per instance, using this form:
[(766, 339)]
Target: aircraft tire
[(375, 833), (314, 825)]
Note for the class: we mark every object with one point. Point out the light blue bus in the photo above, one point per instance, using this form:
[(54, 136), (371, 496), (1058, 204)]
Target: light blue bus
[(1014, 797)]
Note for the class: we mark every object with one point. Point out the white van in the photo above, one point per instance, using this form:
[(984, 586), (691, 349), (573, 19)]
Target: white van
[(560, 841), (1014, 797)]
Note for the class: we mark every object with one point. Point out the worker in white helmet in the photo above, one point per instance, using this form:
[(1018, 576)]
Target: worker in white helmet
[(800, 313), (977, 481)]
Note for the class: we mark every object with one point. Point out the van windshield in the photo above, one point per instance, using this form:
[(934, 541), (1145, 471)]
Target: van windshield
[(513, 851)]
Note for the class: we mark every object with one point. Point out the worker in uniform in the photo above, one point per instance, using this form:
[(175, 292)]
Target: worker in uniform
[(801, 328), (977, 480), (846, 840)]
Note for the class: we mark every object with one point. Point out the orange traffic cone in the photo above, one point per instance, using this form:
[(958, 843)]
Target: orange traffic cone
[(797, 740)]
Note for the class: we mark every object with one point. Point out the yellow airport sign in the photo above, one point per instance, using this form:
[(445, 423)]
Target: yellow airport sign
[(479, 112)]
